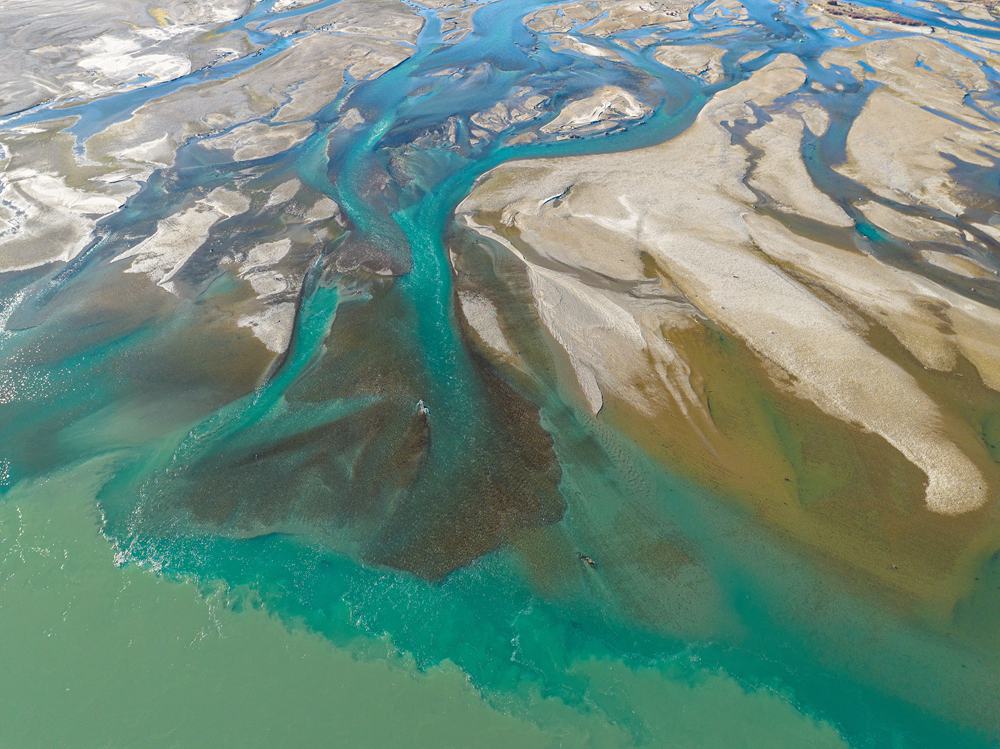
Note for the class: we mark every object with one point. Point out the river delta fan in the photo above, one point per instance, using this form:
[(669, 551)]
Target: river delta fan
[(558, 360)]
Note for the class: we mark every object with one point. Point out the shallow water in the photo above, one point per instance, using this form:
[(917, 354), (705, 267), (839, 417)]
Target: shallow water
[(318, 562)]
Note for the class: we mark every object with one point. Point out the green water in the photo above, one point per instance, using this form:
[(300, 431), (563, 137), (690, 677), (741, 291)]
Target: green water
[(98, 655)]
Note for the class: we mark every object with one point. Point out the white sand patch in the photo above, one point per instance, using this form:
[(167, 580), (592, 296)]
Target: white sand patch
[(910, 228), (582, 321), (608, 338), (258, 140), (116, 58), (272, 325), (816, 119), (828, 361), (270, 319), (991, 229), (481, 315), (267, 283), (839, 371), (606, 17), (162, 255), (258, 269), (906, 162), (909, 305), (782, 174), (281, 5), (607, 106), (157, 152), (53, 192), (960, 264), (566, 41), (46, 220), (686, 206), (903, 162), (201, 12), (701, 60), (266, 254), (323, 209), (520, 108), (350, 119), (283, 193)]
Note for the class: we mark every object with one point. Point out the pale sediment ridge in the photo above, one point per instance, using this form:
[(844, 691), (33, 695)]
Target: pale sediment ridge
[(50, 204), (177, 238), (609, 16), (685, 204), (53, 190), (481, 314), (923, 89), (272, 323), (258, 140), (702, 60), (71, 50), (605, 108)]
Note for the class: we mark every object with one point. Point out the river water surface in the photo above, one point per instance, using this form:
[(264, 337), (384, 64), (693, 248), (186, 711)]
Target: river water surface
[(195, 552)]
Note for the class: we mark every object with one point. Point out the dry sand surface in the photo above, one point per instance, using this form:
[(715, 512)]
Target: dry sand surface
[(52, 195), (801, 306)]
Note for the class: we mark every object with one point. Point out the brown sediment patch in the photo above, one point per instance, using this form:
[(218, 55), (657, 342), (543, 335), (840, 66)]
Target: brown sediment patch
[(642, 570), (368, 354), (368, 483), (481, 268), (662, 585), (821, 482), (387, 256), (205, 353), (551, 560), (500, 488), (150, 369), (108, 304), (971, 413), (344, 474)]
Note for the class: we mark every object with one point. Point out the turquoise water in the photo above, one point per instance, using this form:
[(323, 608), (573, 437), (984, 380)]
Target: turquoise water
[(450, 545)]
